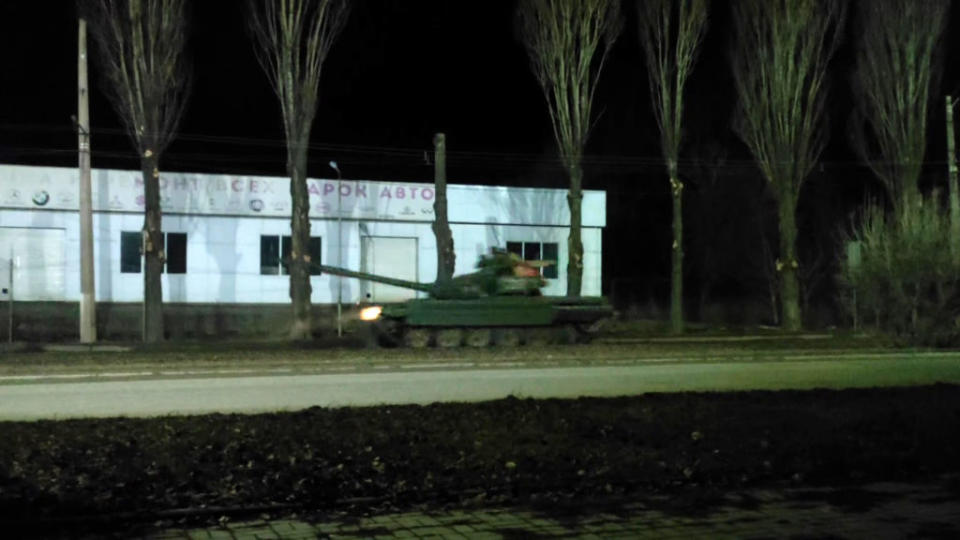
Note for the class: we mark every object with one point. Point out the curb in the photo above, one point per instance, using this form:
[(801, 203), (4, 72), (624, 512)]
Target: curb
[(84, 348), (711, 339)]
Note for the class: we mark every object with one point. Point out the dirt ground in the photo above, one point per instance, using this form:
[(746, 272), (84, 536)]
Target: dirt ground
[(512, 450)]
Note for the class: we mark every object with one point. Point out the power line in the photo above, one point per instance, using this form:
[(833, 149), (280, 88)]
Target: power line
[(486, 159)]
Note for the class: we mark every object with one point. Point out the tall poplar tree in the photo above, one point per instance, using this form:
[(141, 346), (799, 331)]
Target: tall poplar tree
[(568, 42), (670, 33), (292, 39), (142, 47), (897, 45), (780, 56)]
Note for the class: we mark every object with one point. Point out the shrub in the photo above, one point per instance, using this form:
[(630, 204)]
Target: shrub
[(907, 276)]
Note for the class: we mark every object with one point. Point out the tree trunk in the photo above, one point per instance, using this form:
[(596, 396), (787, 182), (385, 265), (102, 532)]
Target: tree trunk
[(153, 249), (299, 263), (770, 272), (789, 287), (574, 242), (446, 257), (952, 187), (676, 267)]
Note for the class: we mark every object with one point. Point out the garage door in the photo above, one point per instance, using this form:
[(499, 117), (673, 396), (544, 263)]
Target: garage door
[(391, 257), (39, 265)]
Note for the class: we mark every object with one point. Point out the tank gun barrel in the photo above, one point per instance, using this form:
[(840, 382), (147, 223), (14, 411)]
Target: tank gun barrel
[(425, 287)]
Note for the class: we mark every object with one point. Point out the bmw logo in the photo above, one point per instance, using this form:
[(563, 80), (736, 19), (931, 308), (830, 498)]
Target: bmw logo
[(41, 198), (256, 205)]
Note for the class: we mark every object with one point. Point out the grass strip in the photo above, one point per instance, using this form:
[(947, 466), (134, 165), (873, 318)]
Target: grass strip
[(269, 354)]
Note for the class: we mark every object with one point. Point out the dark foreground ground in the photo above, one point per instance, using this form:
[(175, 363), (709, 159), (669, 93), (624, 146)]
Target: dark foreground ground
[(118, 474), (877, 511)]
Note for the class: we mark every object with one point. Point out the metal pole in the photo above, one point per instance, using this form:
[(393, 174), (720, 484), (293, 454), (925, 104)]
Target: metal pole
[(333, 165), (88, 305), (10, 303)]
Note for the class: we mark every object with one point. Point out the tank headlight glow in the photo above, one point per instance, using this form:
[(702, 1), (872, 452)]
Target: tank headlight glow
[(371, 313)]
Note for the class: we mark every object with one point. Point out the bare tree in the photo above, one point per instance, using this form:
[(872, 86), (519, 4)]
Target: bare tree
[(897, 46), (142, 54), (780, 57), (671, 32), (292, 39), (568, 42)]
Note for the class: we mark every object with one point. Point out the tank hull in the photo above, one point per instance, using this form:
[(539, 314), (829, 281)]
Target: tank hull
[(499, 303), (500, 319)]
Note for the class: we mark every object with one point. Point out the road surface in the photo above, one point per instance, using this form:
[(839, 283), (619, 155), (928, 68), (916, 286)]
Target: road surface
[(153, 393)]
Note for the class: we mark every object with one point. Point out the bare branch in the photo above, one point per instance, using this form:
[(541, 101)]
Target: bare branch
[(142, 45), (670, 32), (898, 63), (292, 39), (568, 43), (780, 66)]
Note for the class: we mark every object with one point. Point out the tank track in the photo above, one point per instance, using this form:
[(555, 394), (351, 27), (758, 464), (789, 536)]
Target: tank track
[(386, 334)]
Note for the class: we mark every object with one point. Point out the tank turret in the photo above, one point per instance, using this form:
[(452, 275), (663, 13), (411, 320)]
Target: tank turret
[(498, 274)]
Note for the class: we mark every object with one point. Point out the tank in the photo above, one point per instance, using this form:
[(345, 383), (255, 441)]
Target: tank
[(499, 303)]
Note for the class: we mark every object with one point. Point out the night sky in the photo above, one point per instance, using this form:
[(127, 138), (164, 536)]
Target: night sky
[(405, 69)]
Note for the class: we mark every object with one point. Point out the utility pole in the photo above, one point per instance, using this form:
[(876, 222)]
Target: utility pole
[(88, 301), (446, 257), (10, 302), (333, 165)]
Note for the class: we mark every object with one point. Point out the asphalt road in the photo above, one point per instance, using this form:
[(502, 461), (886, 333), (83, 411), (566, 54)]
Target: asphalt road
[(249, 391)]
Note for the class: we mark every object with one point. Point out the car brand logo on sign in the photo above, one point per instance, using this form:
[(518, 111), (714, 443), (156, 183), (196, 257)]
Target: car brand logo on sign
[(41, 198)]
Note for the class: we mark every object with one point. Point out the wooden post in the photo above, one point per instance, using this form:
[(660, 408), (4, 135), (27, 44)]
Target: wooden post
[(446, 257), (88, 302), (952, 182)]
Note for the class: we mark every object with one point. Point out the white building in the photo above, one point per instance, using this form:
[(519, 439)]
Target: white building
[(226, 234)]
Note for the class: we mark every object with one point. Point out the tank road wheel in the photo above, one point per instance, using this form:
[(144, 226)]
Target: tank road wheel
[(383, 334), (478, 337), (538, 336), (449, 338), (507, 337), (569, 335), (586, 332), (416, 338)]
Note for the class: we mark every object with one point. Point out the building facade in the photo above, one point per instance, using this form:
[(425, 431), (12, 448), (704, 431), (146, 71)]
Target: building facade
[(226, 235)]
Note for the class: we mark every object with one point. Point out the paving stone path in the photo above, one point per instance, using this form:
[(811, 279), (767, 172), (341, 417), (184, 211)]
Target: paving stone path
[(874, 512)]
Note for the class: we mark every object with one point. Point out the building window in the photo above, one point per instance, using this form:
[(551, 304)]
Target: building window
[(275, 254), (538, 251), (175, 250), (130, 252)]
